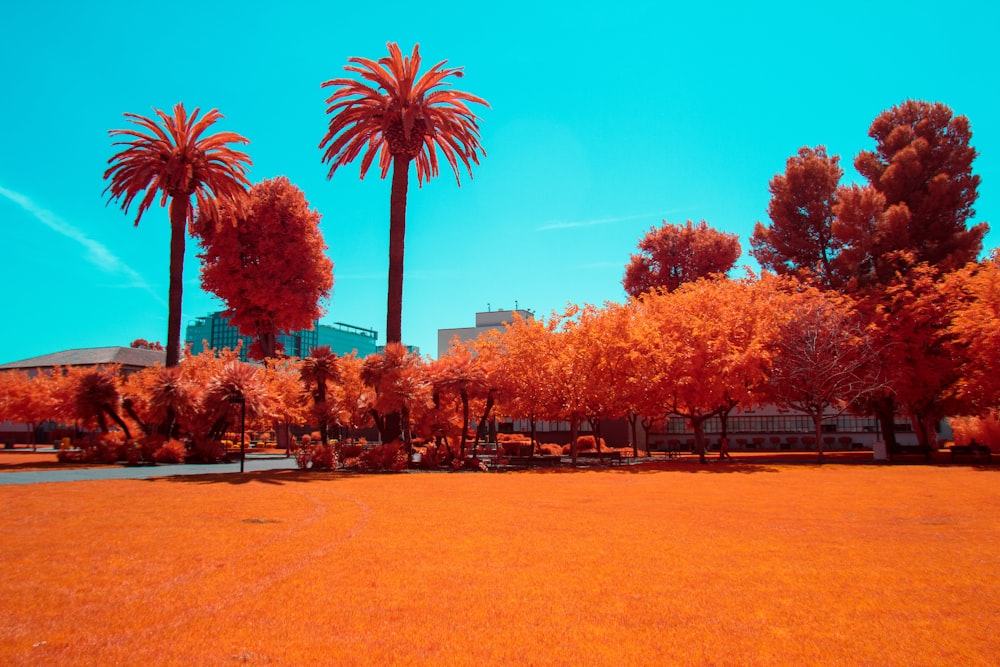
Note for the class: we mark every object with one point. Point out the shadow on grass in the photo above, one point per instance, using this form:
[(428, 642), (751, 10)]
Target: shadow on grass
[(651, 467), (276, 477)]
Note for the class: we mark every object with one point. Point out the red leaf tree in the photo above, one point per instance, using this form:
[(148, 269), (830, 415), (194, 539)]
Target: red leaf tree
[(675, 254), (800, 239), (267, 260), (824, 362)]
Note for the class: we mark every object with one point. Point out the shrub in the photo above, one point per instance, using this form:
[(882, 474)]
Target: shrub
[(324, 457), (148, 445), (133, 454), (586, 443), (549, 449), (102, 448), (68, 455), (388, 457), (316, 456), (171, 451), (206, 450)]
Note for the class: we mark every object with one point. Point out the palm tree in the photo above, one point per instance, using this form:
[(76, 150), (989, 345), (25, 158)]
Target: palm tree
[(318, 371), (398, 116), (177, 162)]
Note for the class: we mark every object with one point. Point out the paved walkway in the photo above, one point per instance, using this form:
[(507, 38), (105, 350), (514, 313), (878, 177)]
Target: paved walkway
[(253, 464)]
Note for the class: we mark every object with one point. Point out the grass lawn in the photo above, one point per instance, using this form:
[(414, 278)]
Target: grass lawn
[(724, 564)]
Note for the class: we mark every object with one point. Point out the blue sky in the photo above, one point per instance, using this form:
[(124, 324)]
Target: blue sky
[(606, 119)]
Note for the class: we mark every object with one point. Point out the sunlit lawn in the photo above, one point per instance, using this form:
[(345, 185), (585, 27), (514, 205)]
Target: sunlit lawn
[(725, 564)]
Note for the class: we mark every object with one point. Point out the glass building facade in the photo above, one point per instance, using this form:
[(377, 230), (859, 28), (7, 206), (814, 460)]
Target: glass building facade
[(215, 332)]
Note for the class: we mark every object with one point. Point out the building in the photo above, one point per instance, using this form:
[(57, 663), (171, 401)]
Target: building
[(488, 321), (217, 333), (130, 359)]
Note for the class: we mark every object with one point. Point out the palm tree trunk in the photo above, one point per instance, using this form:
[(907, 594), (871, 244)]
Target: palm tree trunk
[(394, 302), (178, 232), (397, 233)]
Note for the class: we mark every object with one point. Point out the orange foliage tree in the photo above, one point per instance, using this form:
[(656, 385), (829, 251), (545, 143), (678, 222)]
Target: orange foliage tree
[(675, 254), (707, 344), (28, 400), (800, 239), (397, 115), (176, 162), (459, 374), (567, 367), (925, 364), (267, 260), (355, 397), (398, 378), (975, 327), (519, 355), (610, 364)]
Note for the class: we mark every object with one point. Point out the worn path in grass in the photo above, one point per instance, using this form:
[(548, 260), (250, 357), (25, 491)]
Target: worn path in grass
[(723, 564)]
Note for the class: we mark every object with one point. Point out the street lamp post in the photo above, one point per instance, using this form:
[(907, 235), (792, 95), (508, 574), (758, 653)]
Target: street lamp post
[(243, 427)]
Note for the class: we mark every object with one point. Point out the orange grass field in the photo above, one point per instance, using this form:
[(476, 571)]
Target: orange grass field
[(669, 564)]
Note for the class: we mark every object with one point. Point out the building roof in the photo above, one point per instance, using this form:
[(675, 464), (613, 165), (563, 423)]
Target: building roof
[(92, 356)]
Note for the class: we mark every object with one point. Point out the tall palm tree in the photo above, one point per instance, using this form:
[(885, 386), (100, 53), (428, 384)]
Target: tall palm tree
[(400, 116), (176, 161)]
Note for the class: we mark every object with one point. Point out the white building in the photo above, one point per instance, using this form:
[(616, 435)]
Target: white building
[(488, 321)]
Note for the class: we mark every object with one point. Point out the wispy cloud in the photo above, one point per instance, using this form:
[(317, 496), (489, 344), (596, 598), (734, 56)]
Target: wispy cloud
[(558, 224), (96, 253)]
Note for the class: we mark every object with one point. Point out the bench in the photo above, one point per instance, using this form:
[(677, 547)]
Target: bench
[(543, 461), (971, 453), (613, 458)]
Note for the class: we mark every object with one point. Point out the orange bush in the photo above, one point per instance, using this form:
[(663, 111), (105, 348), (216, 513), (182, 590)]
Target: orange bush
[(587, 443), (549, 449), (389, 457), (171, 451), (984, 430)]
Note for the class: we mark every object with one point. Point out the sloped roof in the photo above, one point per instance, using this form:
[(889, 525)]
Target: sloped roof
[(92, 356)]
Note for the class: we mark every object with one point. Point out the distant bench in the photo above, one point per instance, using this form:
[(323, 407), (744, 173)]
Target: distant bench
[(542, 461), (971, 453), (613, 458)]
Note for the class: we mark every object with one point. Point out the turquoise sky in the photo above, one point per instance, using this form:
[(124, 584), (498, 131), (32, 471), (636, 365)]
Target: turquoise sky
[(606, 119)]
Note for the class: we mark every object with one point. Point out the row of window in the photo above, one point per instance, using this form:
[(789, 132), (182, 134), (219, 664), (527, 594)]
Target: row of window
[(778, 424), (763, 425)]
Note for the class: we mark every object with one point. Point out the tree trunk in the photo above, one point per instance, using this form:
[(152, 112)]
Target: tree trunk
[(885, 412), (481, 428), (818, 424), (118, 420), (534, 440), (647, 425), (698, 424), (574, 429), (179, 207), (923, 427), (397, 234), (465, 421), (268, 343), (633, 418)]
